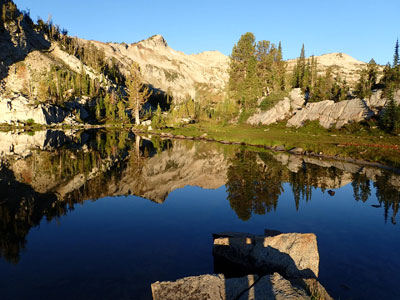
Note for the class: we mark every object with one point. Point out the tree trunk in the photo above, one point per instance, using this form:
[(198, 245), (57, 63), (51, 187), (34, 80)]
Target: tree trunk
[(137, 148), (137, 120)]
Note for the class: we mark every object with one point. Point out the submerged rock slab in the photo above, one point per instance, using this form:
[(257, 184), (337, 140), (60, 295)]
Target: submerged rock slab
[(217, 287), (294, 255)]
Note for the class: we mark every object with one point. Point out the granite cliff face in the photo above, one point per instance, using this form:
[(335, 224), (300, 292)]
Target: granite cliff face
[(328, 113), (171, 71)]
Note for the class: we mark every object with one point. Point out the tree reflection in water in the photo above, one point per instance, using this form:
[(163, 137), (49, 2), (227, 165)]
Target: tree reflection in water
[(98, 164), (255, 182)]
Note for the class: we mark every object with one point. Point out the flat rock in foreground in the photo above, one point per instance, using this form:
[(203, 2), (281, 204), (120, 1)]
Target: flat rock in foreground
[(293, 255), (217, 287)]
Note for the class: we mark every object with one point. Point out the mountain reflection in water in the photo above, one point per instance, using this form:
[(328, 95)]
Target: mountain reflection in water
[(44, 175)]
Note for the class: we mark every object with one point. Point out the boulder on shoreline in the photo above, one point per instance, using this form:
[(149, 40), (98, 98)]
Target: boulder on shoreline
[(19, 109), (293, 255), (275, 266), (217, 287)]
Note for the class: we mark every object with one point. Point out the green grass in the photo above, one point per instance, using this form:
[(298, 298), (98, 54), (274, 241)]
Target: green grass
[(312, 137)]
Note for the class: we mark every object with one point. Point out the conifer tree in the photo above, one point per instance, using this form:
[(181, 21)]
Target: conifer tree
[(299, 70), (396, 55), (243, 68), (138, 94)]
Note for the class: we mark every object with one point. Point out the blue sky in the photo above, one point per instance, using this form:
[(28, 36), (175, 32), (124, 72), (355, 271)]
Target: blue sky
[(363, 29)]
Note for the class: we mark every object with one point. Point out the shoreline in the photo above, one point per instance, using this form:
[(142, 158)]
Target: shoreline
[(274, 148), (206, 135)]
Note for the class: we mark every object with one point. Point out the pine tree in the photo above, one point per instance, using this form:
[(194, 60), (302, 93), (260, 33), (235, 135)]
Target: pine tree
[(396, 55), (299, 70), (138, 94), (367, 81), (265, 61), (390, 120), (280, 69), (243, 69)]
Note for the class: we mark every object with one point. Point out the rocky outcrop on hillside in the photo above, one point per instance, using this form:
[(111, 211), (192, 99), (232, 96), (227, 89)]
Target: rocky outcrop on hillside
[(330, 114), (281, 111), (168, 70), (17, 39), (18, 109)]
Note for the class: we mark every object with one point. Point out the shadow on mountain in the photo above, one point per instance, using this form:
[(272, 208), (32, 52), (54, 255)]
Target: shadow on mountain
[(17, 37)]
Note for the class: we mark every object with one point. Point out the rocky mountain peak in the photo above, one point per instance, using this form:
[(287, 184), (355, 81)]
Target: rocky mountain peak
[(155, 41)]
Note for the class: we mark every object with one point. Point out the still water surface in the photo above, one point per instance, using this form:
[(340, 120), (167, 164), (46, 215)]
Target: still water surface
[(102, 215)]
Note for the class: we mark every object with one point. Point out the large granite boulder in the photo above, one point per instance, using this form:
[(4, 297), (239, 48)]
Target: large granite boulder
[(294, 255), (286, 266), (281, 111), (217, 287), (19, 109), (329, 113)]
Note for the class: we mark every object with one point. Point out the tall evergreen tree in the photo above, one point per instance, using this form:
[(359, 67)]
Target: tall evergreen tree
[(396, 54), (279, 70), (299, 70), (241, 68), (138, 94)]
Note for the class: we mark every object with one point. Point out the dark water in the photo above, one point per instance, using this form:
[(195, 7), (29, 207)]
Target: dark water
[(102, 215)]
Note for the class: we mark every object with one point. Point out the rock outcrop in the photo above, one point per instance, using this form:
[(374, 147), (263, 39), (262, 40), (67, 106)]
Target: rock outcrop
[(286, 264), (17, 39), (330, 114), (281, 111), (217, 287), (294, 255), (169, 70), (20, 110)]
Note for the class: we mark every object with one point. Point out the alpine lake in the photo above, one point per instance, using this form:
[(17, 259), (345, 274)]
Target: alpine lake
[(102, 214)]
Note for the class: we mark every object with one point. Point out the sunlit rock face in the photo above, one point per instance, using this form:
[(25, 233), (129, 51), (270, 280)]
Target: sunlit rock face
[(331, 114), (294, 255), (217, 287), (281, 111), (20, 109), (286, 266), (169, 70)]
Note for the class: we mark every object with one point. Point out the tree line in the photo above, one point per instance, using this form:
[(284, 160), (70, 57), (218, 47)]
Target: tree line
[(258, 77)]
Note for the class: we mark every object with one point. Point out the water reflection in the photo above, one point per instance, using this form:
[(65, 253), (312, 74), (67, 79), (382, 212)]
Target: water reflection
[(44, 175)]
